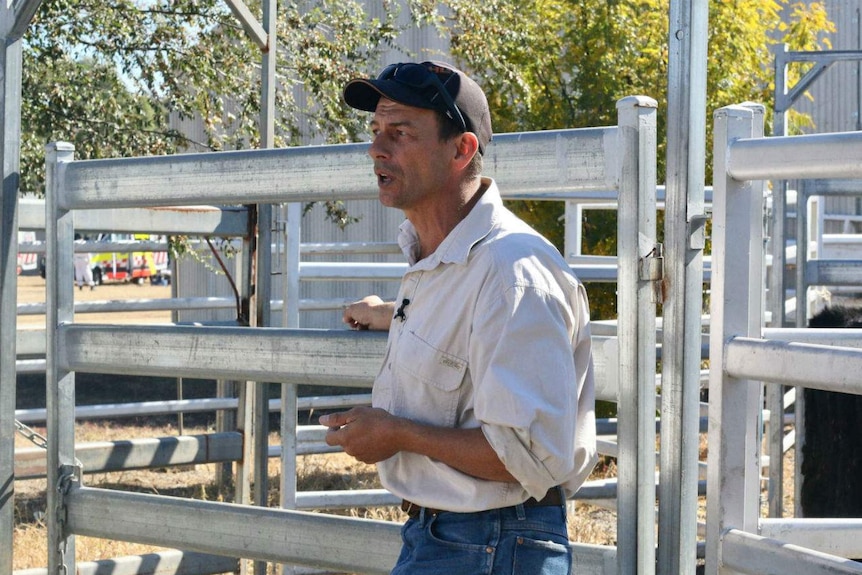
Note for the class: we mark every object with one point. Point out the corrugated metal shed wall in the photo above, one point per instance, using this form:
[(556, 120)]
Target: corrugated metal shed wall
[(836, 95), (377, 224)]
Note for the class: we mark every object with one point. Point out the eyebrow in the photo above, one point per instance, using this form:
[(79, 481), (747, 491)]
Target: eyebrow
[(397, 124)]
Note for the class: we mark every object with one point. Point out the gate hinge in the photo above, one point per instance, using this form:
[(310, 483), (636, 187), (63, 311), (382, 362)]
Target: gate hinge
[(651, 269)]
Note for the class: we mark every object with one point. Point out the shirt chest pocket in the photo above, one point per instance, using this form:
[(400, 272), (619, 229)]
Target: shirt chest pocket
[(427, 382)]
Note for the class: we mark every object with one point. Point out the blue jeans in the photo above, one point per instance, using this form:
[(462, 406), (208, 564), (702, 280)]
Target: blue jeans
[(514, 540)]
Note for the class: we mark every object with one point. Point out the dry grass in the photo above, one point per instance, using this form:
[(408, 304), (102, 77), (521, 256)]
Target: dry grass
[(587, 523)]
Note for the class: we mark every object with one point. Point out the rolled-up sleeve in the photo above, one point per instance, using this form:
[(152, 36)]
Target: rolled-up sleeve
[(527, 384)]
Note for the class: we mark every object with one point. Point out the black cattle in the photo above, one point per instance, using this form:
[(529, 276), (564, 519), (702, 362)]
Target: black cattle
[(832, 454)]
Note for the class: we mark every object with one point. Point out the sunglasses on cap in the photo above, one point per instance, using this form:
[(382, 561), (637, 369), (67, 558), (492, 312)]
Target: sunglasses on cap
[(423, 76)]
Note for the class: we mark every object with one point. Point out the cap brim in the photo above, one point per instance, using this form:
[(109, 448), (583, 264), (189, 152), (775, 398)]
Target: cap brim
[(364, 94)]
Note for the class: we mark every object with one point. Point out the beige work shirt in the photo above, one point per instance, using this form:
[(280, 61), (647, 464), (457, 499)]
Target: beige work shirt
[(495, 335)]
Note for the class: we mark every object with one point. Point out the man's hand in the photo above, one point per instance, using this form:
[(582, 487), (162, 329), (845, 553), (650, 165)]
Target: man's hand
[(366, 433), (372, 435), (370, 312)]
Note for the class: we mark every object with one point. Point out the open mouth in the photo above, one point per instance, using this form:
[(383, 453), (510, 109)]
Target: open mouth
[(383, 177)]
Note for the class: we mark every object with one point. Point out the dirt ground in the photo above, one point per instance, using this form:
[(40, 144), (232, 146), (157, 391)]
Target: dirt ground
[(31, 289)]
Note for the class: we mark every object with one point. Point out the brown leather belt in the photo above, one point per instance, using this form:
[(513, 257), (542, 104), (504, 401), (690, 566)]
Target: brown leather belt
[(553, 497)]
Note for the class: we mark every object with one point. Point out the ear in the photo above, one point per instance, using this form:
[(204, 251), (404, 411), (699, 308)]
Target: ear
[(467, 147)]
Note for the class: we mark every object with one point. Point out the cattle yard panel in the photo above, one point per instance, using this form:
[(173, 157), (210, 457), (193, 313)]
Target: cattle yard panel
[(743, 355), (545, 163)]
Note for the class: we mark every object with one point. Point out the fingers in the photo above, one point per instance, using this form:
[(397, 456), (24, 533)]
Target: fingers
[(354, 323), (370, 312), (353, 315), (334, 420)]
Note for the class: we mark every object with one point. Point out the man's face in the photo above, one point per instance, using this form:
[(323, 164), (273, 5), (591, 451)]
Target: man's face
[(411, 163)]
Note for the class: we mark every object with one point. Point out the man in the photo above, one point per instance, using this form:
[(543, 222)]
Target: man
[(83, 271), (482, 417)]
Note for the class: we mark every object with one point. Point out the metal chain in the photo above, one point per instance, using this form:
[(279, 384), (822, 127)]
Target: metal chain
[(69, 476), (37, 439), (31, 434)]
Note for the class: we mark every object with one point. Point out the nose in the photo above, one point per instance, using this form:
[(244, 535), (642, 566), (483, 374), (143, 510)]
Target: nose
[(377, 148)]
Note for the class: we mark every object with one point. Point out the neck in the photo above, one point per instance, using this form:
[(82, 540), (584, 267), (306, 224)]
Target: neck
[(433, 225)]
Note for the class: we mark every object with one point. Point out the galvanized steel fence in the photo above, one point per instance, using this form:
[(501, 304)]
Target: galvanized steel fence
[(618, 158), (743, 354)]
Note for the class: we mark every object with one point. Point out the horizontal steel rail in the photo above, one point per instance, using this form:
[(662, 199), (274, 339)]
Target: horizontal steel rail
[(836, 536), (834, 155), (748, 553), (599, 489), (223, 221), (170, 562), (349, 248), (829, 368), (833, 187), (191, 303), (844, 337), (349, 544), (232, 221), (98, 247), (143, 453), (139, 453), (316, 357), (30, 365), (834, 272), (339, 271), (269, 354), (535, 162), (170, 406), (131, 305)]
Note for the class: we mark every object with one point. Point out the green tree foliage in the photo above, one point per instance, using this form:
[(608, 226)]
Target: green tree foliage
[(85, 103), (550, 64), (564, 64), (106, 75)]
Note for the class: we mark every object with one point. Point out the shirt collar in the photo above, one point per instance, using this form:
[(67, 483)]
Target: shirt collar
[(469, 231)]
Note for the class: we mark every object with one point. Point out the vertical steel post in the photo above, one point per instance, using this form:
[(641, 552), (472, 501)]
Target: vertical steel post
[(59, 383), (14, 20), (756, 282), (262, 295), (684, 239), (290, 319), (637, 295), (800, 282), (776, 302), (778, 235), (10, 92), (289, 395), (734, 406), (244, 389)]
